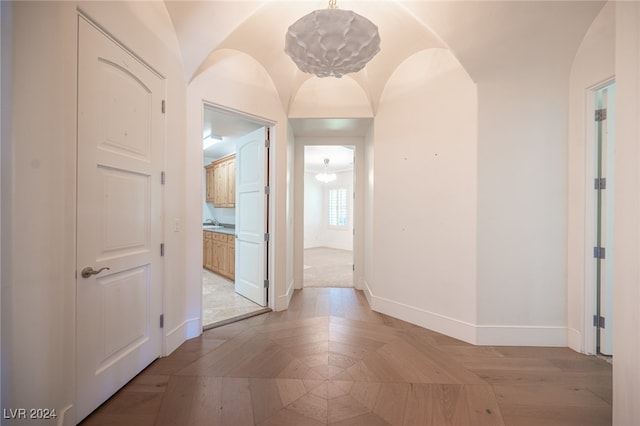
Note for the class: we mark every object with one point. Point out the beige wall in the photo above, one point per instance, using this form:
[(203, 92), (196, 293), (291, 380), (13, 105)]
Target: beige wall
[(38, 194), (522, 212), (238, 83), (424, 197), (626, 335), (290, 214), (593, 65), (368, 159), (38, 209)]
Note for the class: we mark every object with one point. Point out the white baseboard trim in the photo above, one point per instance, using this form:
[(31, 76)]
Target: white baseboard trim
[(282, 301), (574, 339), (290, 289), (367, 291), (66, 416), (489, 335), (358, 283), (442, 324), (187, 330), (521, 335)]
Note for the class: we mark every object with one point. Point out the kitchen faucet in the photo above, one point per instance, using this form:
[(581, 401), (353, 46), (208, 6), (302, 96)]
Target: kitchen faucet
[(213, 221)]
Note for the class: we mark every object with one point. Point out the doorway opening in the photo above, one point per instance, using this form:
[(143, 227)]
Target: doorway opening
[(234, 216), (328, 216), (602, 202)]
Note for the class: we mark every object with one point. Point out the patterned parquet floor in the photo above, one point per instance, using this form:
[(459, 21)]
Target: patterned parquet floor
[(329, 359)]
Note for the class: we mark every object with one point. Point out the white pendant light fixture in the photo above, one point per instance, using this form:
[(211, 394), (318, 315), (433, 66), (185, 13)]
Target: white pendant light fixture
[(332, 42), (326, 177)]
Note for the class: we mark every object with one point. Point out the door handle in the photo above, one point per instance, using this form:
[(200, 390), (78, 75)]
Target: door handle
[(88, 271)]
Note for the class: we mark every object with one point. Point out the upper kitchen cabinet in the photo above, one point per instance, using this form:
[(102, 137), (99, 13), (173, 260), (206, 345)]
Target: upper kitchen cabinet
[(210, 174), (221, 182), (231, 181)]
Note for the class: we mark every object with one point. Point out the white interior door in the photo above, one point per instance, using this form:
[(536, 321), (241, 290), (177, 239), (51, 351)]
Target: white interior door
[(251, 223), (119, 224)]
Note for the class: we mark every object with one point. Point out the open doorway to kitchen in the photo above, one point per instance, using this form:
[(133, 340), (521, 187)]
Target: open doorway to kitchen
[(235, 160), (328, 216)]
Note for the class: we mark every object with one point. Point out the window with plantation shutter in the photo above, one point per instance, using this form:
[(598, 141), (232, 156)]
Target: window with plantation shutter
[(338, 208)]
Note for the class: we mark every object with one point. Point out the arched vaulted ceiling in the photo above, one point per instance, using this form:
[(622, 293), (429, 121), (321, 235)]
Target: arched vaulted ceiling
[(482, 35), (258, 29)]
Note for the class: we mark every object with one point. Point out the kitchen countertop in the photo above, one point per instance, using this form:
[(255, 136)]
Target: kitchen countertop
[(222, 230)]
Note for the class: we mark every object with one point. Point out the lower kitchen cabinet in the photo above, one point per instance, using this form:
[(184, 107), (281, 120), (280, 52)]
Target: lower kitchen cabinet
[(219, 253)]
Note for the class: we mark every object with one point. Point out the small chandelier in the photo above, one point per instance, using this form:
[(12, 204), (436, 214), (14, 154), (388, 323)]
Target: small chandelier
[(332, 42), (326, 177)]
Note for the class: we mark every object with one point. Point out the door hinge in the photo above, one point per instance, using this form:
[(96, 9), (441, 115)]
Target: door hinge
[(267, 190), (164, 106), (598, 321), (163, 177), (353, 267), (600, 114), (599, 252), (161, 249), (266, 283), (600, 183), (161, 320), (267, 143), (266, 236)]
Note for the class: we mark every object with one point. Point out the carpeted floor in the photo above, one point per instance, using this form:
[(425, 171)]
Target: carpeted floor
[(328, 267)]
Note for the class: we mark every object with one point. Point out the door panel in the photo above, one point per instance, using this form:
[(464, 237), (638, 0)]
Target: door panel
[(251, 202), (123, 294), (124, 212), (126, 114), (120, 156)]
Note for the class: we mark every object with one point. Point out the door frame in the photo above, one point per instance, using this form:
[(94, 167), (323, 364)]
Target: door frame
[(358, 205), (81, 15), (590, 288), (355, 221), (270, 126)]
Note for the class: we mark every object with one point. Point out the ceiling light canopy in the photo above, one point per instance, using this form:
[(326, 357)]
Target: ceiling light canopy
[(332, 42)]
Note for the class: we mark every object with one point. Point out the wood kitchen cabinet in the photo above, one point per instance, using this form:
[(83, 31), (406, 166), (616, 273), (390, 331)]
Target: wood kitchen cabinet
[(207, 250), (231, 181), (219, 253), (221, 182), (231, 258), (209, 180)]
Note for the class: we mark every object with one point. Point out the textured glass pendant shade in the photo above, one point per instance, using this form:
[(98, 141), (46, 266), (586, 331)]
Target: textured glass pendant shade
[(332, 42)]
